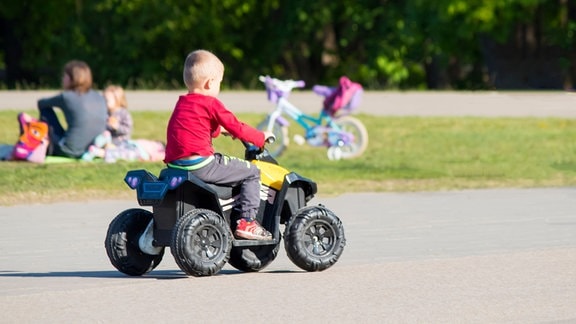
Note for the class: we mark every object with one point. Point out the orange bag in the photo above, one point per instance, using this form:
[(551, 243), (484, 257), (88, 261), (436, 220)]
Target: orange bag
[(33, 141)]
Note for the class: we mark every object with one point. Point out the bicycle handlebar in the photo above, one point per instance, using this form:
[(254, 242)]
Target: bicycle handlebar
[(279, 88), (283, 85)]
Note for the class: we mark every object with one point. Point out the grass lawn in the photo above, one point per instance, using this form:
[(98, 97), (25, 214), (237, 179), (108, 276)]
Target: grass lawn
[(404, 154)]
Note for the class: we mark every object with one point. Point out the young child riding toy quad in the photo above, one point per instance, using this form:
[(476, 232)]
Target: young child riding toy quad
[(202, 197), (196, 119)]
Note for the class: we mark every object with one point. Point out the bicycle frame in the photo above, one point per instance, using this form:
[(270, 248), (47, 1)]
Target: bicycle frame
[(308, 122)]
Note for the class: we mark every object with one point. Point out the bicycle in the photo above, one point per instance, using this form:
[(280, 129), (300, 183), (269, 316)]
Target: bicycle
[(344, 136)]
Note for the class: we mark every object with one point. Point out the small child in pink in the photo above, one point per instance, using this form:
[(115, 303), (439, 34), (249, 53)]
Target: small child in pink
[(118, 127)]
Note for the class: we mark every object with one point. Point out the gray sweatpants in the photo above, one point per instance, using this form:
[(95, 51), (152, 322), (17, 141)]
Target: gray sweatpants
[(231, 171)]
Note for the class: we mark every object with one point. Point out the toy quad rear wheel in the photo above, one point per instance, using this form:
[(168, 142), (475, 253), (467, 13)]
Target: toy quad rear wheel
[(122, 243), (201, 242), (253, 258), (314, 238)]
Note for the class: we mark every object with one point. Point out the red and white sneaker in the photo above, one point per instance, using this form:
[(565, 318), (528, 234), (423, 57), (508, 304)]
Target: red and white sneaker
[(251, 230)]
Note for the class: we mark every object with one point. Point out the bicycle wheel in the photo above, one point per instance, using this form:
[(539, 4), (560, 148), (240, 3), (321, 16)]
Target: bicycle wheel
[(280, 132), (359, 135)]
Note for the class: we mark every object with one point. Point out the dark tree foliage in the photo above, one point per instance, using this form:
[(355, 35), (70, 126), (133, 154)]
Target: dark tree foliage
[(384, 44)]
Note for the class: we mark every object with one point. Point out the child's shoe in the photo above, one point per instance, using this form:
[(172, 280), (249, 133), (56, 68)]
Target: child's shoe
[(251, 230)]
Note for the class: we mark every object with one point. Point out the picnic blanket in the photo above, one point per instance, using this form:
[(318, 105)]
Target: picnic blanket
[(33, 142)]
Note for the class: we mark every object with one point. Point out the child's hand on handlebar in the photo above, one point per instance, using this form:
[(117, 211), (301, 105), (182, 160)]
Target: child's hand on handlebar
[(269, 137)]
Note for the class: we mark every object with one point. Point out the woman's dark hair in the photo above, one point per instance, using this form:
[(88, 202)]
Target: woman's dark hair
[(80, 76)]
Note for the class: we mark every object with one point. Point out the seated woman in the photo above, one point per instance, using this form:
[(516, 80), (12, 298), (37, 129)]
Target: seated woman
[(84, 109)]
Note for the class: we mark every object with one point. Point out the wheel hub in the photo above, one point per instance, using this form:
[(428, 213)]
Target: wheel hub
[(320, 238)]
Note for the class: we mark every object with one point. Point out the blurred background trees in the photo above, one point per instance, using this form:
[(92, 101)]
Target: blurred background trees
[(384, 44)]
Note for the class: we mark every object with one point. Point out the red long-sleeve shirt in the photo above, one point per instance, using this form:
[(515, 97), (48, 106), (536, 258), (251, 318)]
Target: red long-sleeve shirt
[(196, 119)]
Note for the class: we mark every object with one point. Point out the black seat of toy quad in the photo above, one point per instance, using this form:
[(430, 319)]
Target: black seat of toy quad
[(178, 175), (224, 192)]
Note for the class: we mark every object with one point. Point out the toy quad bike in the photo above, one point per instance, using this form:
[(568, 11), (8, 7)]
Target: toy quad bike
[(196, 220)]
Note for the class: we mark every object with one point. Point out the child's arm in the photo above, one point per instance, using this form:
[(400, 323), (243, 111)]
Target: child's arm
[(227, 120), (121, 124)]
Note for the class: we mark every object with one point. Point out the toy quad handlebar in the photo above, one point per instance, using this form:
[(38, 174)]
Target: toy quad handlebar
[(277, 89), (254, 152), (269, 140)]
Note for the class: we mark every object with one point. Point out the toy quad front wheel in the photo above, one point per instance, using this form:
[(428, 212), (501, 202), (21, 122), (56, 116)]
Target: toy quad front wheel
[(314, 238), (201, 242), (122, 246)]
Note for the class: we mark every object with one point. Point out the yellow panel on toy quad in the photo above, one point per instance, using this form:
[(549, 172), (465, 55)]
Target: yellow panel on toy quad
[(271, 175)]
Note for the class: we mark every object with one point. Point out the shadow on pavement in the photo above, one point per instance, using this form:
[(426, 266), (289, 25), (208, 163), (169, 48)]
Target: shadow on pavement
[(158, 274)]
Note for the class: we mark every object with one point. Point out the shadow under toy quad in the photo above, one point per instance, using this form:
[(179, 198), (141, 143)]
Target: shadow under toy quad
[(196, 220)]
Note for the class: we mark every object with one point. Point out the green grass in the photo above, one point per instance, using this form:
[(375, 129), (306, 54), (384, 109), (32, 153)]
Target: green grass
[(404, 154)]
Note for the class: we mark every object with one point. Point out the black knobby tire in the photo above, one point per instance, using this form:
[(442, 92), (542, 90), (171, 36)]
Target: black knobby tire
[(281, 133), (358, 130), (253, 258), (201, 242), (122, 243), (314, 238)]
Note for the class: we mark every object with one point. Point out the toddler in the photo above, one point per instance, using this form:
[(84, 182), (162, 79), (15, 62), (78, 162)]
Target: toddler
[(118, 127), (197, 118)]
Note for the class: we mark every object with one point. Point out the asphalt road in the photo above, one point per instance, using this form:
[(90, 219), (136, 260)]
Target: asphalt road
[(481, 256), (478, 256)]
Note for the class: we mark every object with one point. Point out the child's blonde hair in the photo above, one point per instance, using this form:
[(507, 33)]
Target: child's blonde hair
[(119, 95), (199, 66)]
